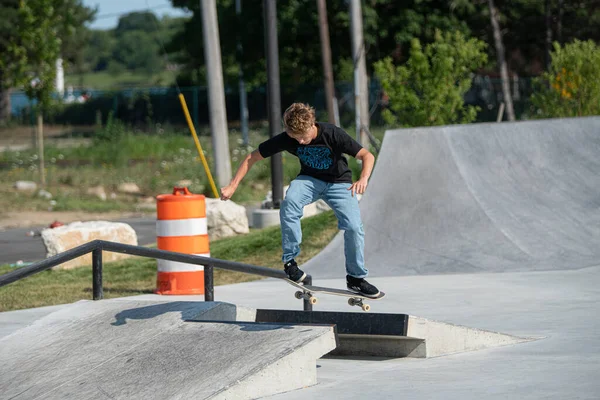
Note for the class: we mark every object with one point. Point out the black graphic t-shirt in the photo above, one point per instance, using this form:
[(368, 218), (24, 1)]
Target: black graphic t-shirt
[(322, 158)]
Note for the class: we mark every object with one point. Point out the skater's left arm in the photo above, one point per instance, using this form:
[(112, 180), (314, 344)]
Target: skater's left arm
[(368, 160)]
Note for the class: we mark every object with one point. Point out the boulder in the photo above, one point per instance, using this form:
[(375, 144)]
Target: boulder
[(45, 194), (184, 183), (146, 204), (25, 186), (66, 237), (97, 191), (225, 218), (129, 188)]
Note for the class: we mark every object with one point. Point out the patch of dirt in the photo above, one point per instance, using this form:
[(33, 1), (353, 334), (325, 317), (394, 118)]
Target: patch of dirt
[(44, 218), (19, 138)]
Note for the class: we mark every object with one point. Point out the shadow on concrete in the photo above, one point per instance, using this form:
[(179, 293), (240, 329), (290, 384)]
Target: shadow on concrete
[(188, 310)]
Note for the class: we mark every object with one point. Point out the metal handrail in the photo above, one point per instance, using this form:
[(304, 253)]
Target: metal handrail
[(48, 263), (97, 246)]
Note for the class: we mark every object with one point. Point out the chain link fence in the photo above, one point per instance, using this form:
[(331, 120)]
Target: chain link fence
[(145, 108)]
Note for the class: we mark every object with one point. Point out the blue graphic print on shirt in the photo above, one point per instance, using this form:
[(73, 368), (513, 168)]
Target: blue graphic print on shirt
[(315, 157)]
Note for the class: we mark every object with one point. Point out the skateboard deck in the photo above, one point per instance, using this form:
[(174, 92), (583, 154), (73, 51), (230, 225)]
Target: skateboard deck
[(354, 299)]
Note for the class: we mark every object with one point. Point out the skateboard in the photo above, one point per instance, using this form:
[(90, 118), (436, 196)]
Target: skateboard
[(307, 292)]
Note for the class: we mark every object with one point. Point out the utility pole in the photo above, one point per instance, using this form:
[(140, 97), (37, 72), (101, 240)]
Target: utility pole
[(326, 56), (361, 91), (242, 85), (274, 96), (216, 96)]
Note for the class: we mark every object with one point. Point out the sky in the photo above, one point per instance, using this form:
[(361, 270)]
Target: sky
[(108, 13)]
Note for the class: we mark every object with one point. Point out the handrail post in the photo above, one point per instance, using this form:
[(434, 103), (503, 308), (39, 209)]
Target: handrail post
[(307, 305), (209, 290), (98, 292)]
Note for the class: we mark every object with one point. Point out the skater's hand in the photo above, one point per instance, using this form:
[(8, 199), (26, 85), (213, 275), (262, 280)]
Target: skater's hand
[(359, 186), (227, 192)]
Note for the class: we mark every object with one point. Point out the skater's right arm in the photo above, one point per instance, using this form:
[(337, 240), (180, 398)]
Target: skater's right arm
[(247, 163)]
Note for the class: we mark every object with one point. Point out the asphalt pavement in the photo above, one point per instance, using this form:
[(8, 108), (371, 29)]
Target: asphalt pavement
[(17, 244)]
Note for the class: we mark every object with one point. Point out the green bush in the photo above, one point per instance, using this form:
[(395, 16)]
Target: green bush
[(572, 86), (430, 88)]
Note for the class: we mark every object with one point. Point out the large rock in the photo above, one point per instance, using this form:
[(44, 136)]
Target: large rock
[(45, 194), (97, 191), (66, 237), (128, 188), (225, 218), (25, 186)]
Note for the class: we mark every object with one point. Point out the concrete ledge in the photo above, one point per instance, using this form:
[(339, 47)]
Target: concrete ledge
[(379, 346), (347, 323), (393, 335)]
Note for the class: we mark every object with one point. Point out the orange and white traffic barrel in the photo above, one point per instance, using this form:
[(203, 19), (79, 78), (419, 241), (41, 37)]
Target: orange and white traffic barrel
[(181, 226)]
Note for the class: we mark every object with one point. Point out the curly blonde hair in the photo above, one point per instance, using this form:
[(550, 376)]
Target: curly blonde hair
[(298, 118)]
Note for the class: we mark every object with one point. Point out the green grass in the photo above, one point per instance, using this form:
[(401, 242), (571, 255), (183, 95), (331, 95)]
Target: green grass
[(155, 162), (108, 80), (138, 275)]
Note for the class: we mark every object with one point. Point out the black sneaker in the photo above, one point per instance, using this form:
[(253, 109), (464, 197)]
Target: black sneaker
[(293, 272), (361, 286)]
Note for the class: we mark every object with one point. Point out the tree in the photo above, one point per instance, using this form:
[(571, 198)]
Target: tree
[(429, 89), (571, 88), (501, 60), (389, 25), (74, 34), (38, 26), (524, 28), (137, 47), (99, 50), (137, 50), (32, 35), (11, 56), (144, 21), (33, 49), (133, 45)]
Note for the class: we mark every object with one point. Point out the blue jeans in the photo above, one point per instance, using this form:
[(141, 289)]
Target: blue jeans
[(305, 190)]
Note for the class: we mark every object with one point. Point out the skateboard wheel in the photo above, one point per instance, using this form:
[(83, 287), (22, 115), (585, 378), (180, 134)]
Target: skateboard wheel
[(312, 300), (299, 295), (366, 307)]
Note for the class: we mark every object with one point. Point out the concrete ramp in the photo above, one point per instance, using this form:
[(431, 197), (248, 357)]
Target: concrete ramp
[(127, 349), (442, 338), (480, 198)]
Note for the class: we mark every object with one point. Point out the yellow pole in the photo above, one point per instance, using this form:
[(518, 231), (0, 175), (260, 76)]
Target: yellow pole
[(198, 145)]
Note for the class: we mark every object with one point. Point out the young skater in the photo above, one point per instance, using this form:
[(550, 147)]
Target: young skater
[(324, 175)]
